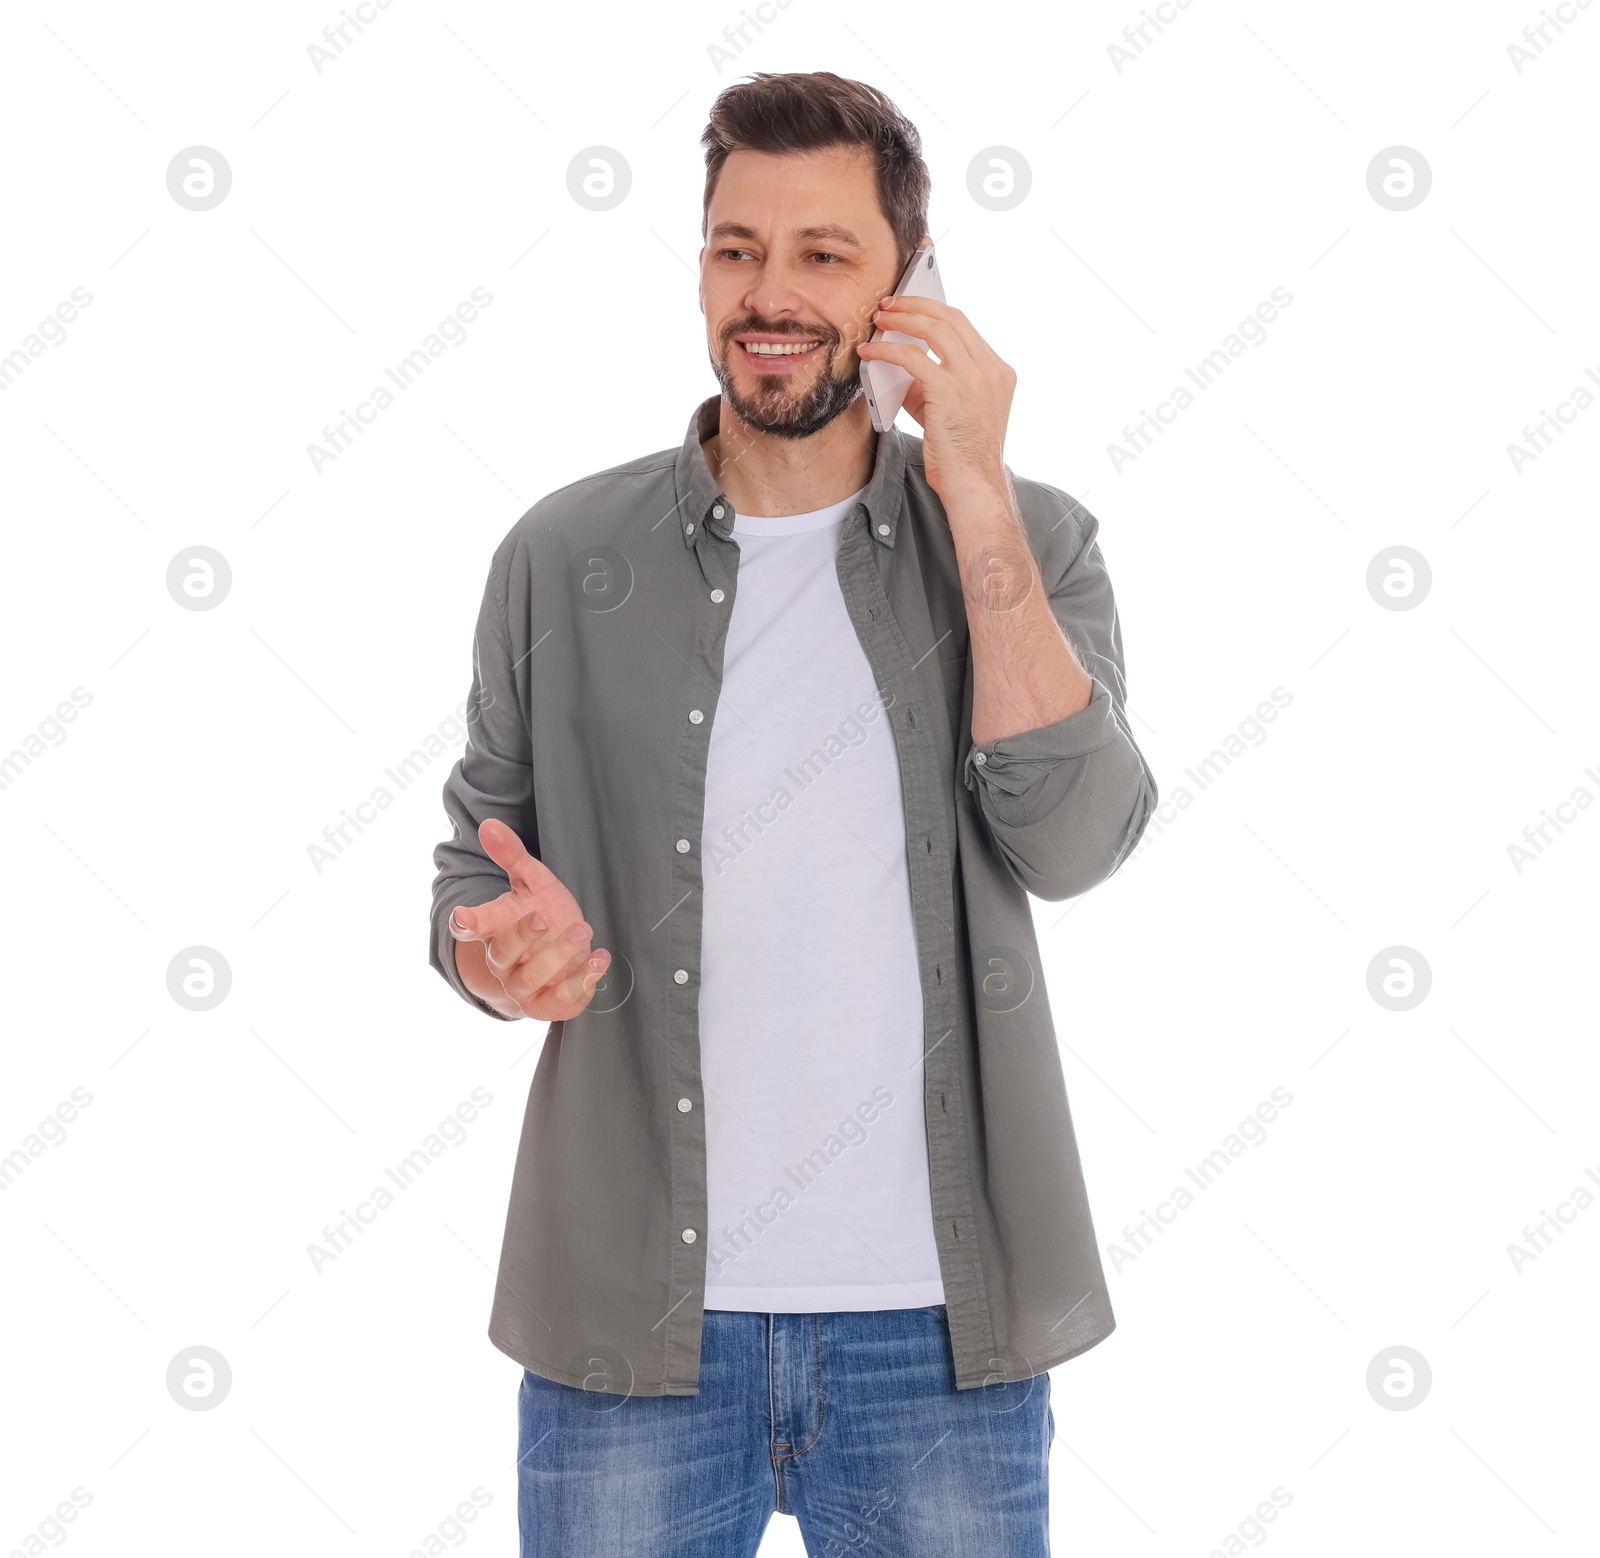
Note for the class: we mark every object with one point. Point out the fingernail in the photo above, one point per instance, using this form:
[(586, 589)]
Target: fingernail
[(538, 927), (580, 932)]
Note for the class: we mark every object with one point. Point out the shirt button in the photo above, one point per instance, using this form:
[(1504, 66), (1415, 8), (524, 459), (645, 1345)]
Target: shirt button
[(718, 511), (695, 716), (979, 759), (685, 1105), (688, 529), (683, 846), (716, 595), (689, 1236), (680, 976), (883, 530)]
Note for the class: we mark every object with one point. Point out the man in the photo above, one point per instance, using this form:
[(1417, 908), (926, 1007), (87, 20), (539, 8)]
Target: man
[(790, 720)]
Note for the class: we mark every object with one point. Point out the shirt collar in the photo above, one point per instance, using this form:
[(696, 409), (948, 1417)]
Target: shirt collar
[(699, 496)]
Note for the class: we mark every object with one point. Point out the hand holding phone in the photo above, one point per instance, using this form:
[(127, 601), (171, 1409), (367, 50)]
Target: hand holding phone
[(885, 383)]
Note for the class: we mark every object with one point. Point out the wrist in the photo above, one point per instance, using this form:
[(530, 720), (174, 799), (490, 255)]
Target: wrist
[(984, 482)]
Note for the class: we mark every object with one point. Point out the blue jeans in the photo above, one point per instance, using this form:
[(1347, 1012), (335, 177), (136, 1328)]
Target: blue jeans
[(848, 1420)]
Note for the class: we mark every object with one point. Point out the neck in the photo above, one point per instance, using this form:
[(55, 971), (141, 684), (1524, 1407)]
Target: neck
[(768, 477)]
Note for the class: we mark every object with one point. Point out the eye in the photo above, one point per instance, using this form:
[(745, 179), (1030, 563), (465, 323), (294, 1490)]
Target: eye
[(721, 253), (823, 255)]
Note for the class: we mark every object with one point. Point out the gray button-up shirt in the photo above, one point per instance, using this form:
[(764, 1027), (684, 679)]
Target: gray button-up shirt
[(597, 665)]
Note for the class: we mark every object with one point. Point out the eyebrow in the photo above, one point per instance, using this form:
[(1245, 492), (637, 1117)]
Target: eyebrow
[(829, 232)]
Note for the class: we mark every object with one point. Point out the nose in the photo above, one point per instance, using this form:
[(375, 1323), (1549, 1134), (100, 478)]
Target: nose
[(773, 294)]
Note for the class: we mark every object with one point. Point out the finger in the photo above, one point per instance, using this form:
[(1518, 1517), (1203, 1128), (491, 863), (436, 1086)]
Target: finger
[(903, 354), (584, 995), (544, 961), (504, 950), (577, 981), (931, 312), (935, 306), (478, 922), (941, 331), (555, 975), (585, 982)]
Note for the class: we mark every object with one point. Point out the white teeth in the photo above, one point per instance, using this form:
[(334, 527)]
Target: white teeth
[(772, 349)]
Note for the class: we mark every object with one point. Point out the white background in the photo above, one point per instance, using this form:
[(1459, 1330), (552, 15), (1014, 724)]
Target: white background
[(1230, 957)]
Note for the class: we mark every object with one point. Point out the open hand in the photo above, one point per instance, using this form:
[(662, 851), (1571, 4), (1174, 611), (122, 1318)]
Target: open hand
[(535, 939)]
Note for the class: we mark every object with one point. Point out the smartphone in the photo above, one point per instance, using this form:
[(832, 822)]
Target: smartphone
[(885, 383)]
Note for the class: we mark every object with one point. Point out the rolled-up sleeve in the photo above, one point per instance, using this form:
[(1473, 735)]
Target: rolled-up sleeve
[(493, 777), (1065, 803)]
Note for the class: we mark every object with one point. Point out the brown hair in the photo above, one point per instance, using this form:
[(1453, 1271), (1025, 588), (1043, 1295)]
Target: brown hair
[(807, 111)]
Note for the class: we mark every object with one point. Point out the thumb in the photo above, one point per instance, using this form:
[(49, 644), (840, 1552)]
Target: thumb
[(508, 852), (533, 884)]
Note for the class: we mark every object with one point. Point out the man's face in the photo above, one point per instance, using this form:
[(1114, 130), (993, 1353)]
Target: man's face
[(797, 254)]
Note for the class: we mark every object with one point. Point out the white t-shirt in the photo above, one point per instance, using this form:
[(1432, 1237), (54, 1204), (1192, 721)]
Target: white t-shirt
[(811, 1019)]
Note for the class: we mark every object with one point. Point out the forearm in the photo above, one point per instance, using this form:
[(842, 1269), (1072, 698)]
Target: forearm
[(1024, 673)]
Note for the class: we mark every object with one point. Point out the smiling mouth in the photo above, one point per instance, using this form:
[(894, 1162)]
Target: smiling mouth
[(777, 351), (773, 349)]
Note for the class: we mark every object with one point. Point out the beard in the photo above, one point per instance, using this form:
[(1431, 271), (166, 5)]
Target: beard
[(776, 408)]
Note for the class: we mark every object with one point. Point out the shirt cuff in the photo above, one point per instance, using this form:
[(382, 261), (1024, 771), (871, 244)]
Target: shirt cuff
[(1011, 768)]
